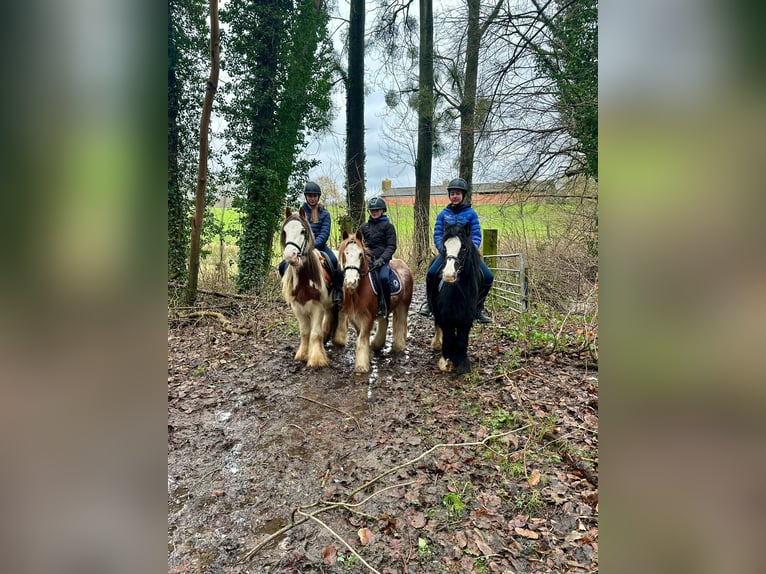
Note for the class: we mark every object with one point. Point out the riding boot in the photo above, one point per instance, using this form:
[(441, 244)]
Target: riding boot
[(481, 316), (337, 288), (382, 307)]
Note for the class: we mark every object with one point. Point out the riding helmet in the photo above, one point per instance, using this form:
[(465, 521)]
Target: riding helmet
[(458, 183), (311, 187), (376, 203)]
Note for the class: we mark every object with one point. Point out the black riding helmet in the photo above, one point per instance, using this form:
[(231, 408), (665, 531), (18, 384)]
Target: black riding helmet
[(376, 203), (458, 183), (311, 188)]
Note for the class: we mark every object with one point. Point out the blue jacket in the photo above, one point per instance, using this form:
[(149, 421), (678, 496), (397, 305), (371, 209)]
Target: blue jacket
[(321, 229), (462, 213)]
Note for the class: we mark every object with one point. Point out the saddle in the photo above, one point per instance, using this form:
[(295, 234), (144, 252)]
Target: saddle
[(327, 270), (394, 282)]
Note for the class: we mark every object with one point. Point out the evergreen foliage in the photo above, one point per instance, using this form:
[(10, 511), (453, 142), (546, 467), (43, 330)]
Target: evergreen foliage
[(570, 59), (279, 60), (187, 50)]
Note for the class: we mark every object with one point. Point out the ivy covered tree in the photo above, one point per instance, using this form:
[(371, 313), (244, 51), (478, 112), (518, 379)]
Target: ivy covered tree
[(279, 61), (187, 55)]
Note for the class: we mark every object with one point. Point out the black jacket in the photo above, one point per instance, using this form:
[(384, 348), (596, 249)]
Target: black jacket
[(380, 238)]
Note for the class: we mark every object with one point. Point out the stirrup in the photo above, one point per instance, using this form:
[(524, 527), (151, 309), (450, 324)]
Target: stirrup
[(425, 310), (481, 317)]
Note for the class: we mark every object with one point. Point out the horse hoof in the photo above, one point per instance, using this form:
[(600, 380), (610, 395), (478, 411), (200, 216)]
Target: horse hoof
[(445, 365), (361, 370), (463, 368)]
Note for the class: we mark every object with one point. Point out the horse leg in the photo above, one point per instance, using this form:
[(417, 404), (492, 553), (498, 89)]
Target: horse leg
[(363, 349), (304, 324), (380, 334), (400, 328), (462, 362), (317, 355), (436, 342), (340, 336), (448, 349)]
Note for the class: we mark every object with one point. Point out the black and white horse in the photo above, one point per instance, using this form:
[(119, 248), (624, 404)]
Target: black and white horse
[(454, 300)]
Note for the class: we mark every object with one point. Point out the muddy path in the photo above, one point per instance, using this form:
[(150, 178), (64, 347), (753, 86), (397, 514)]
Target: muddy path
[(256, 441)]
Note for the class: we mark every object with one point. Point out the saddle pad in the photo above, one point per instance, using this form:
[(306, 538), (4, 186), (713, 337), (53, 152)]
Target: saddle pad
[(394, 282)]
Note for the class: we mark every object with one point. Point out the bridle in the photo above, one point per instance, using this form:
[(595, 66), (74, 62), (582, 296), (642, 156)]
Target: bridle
[(456, 258), (301, 248), (354, 267)]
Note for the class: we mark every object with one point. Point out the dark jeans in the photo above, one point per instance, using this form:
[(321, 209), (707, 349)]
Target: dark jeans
[(384, 277)]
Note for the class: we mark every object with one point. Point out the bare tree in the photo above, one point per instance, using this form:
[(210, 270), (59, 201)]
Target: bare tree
[(204, 143), (425, 135), (355, 154)]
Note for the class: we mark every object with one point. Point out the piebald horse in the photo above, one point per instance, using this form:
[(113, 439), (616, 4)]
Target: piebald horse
[(454, 301), (304, 288), (360, 303)]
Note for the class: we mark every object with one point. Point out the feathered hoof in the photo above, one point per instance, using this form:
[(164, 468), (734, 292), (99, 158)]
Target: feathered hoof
[(362, 369), (464, 367), (446, 365)]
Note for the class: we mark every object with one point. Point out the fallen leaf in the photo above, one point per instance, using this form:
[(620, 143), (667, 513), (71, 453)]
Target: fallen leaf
[(365, 536), (534, 480), (418, 520), (484, 547), (526, 533), (330, 555), (218, 493)]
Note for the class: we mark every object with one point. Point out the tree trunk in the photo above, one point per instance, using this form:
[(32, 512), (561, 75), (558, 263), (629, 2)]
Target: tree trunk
[(425, 136), (176, 240), (468, 105), (204, 142), (355, 154)]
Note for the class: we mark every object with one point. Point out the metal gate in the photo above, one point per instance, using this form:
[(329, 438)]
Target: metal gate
[(510, 280)]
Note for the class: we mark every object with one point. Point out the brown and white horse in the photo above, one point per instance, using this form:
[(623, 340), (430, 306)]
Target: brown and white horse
[(304, 288), (360, 303)]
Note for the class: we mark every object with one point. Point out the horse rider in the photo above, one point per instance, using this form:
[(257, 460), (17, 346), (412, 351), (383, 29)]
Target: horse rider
[(458, 211), (321, 224), (380, 239)]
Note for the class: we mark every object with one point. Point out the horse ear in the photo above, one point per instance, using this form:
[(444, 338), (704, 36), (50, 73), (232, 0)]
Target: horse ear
[(467, 227), (345, 235), (288, 213), (359, 235), (303, 213)]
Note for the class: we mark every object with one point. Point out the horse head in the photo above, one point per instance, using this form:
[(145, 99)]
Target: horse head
[(457, 245), (352, 259), (297, 238)]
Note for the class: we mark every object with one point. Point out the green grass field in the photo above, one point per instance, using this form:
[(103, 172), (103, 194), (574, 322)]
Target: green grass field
[(533, 221)]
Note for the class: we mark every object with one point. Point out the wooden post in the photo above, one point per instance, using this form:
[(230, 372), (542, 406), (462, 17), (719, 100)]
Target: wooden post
[(489, 243)]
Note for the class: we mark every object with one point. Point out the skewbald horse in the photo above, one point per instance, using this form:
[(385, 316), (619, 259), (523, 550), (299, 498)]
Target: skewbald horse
[(304, 288), (454, 302), (360, 303)]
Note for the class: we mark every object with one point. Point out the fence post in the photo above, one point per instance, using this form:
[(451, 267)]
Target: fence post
[(489, 243)]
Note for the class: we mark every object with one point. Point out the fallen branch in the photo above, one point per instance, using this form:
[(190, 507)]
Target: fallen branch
[(576, 462), (227, 325), (216, 293), (330, 407), (339, 537), (348, 505)]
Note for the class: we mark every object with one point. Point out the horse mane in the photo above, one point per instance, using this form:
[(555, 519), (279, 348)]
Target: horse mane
[(313, 263)]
